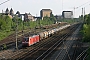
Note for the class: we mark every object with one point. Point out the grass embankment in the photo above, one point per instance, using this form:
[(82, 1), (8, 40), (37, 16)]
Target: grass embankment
[(4, 34)]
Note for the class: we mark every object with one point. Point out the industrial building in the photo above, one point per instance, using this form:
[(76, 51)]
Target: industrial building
[(45, 12), (67, 14)]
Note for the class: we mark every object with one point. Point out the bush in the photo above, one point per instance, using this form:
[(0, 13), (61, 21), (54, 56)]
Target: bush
[(88, 52)]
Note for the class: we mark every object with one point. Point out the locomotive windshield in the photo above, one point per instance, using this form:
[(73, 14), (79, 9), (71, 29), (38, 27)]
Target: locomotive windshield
[(26, 39)]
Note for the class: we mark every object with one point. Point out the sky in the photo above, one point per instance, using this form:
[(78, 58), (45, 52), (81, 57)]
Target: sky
[(57, 6)]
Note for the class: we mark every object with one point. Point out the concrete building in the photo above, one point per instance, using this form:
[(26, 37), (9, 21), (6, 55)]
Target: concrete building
[(67, 14), (45, 12), (28, 17)]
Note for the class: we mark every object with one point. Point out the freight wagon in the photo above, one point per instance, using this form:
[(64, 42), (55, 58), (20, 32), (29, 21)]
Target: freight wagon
[(28, 41)]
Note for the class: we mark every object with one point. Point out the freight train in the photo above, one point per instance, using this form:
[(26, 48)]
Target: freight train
[(28, 41)]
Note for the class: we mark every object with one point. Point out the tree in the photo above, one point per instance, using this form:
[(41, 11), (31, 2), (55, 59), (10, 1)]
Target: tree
[(86, 28), (8, 21), (86, 33), (5, 22), (53, 18)]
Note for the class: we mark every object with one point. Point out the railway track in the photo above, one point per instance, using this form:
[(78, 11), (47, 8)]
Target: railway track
[(83, 55), (10, 40), (68, 44), (32, 54), (31, 48), (24, 52), (51, 49), (79, 52)]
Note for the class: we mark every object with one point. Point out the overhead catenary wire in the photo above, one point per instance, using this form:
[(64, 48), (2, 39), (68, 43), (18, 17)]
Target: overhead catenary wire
[(4, 2), (83, 4), (75, 8)]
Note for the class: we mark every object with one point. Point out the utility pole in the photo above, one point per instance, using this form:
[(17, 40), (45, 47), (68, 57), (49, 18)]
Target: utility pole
[(16, 36), (82, 13), (74, 14), (62, 11), (62, 5), (36, 21), (23, 25), (16, 32), (36, 24)]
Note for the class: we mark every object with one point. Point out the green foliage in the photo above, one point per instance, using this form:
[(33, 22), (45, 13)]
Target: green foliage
[(8, 25), (88, 19), (4, 34), (53, 18), (88, 58), (69, 20), (5, 26), (5, 22), (86, 28), (86, 33), (46, 21), (32, 24)]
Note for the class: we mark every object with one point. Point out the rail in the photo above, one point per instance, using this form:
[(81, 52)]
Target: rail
[(46, 51), (84, 52)]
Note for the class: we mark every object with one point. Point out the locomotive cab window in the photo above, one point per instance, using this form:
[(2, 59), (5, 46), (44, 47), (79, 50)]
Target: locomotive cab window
[(26, 39)]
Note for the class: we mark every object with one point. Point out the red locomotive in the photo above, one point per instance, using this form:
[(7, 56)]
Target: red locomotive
[(27, 41)]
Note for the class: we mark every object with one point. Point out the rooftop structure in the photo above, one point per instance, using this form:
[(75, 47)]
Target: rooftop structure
[(67, 14), (45, 12)]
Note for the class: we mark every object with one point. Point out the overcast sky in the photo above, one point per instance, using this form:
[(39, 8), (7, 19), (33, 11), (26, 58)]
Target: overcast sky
[(34, 6)]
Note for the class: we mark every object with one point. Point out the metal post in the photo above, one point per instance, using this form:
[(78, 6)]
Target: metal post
[(82, 13), (62, 11), (74, 14), (16, 33), (23, 25), (23, 28), (39, 23), (62, 5)]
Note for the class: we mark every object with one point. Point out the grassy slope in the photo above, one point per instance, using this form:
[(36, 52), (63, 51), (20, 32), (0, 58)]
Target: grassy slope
[(4, 34)]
